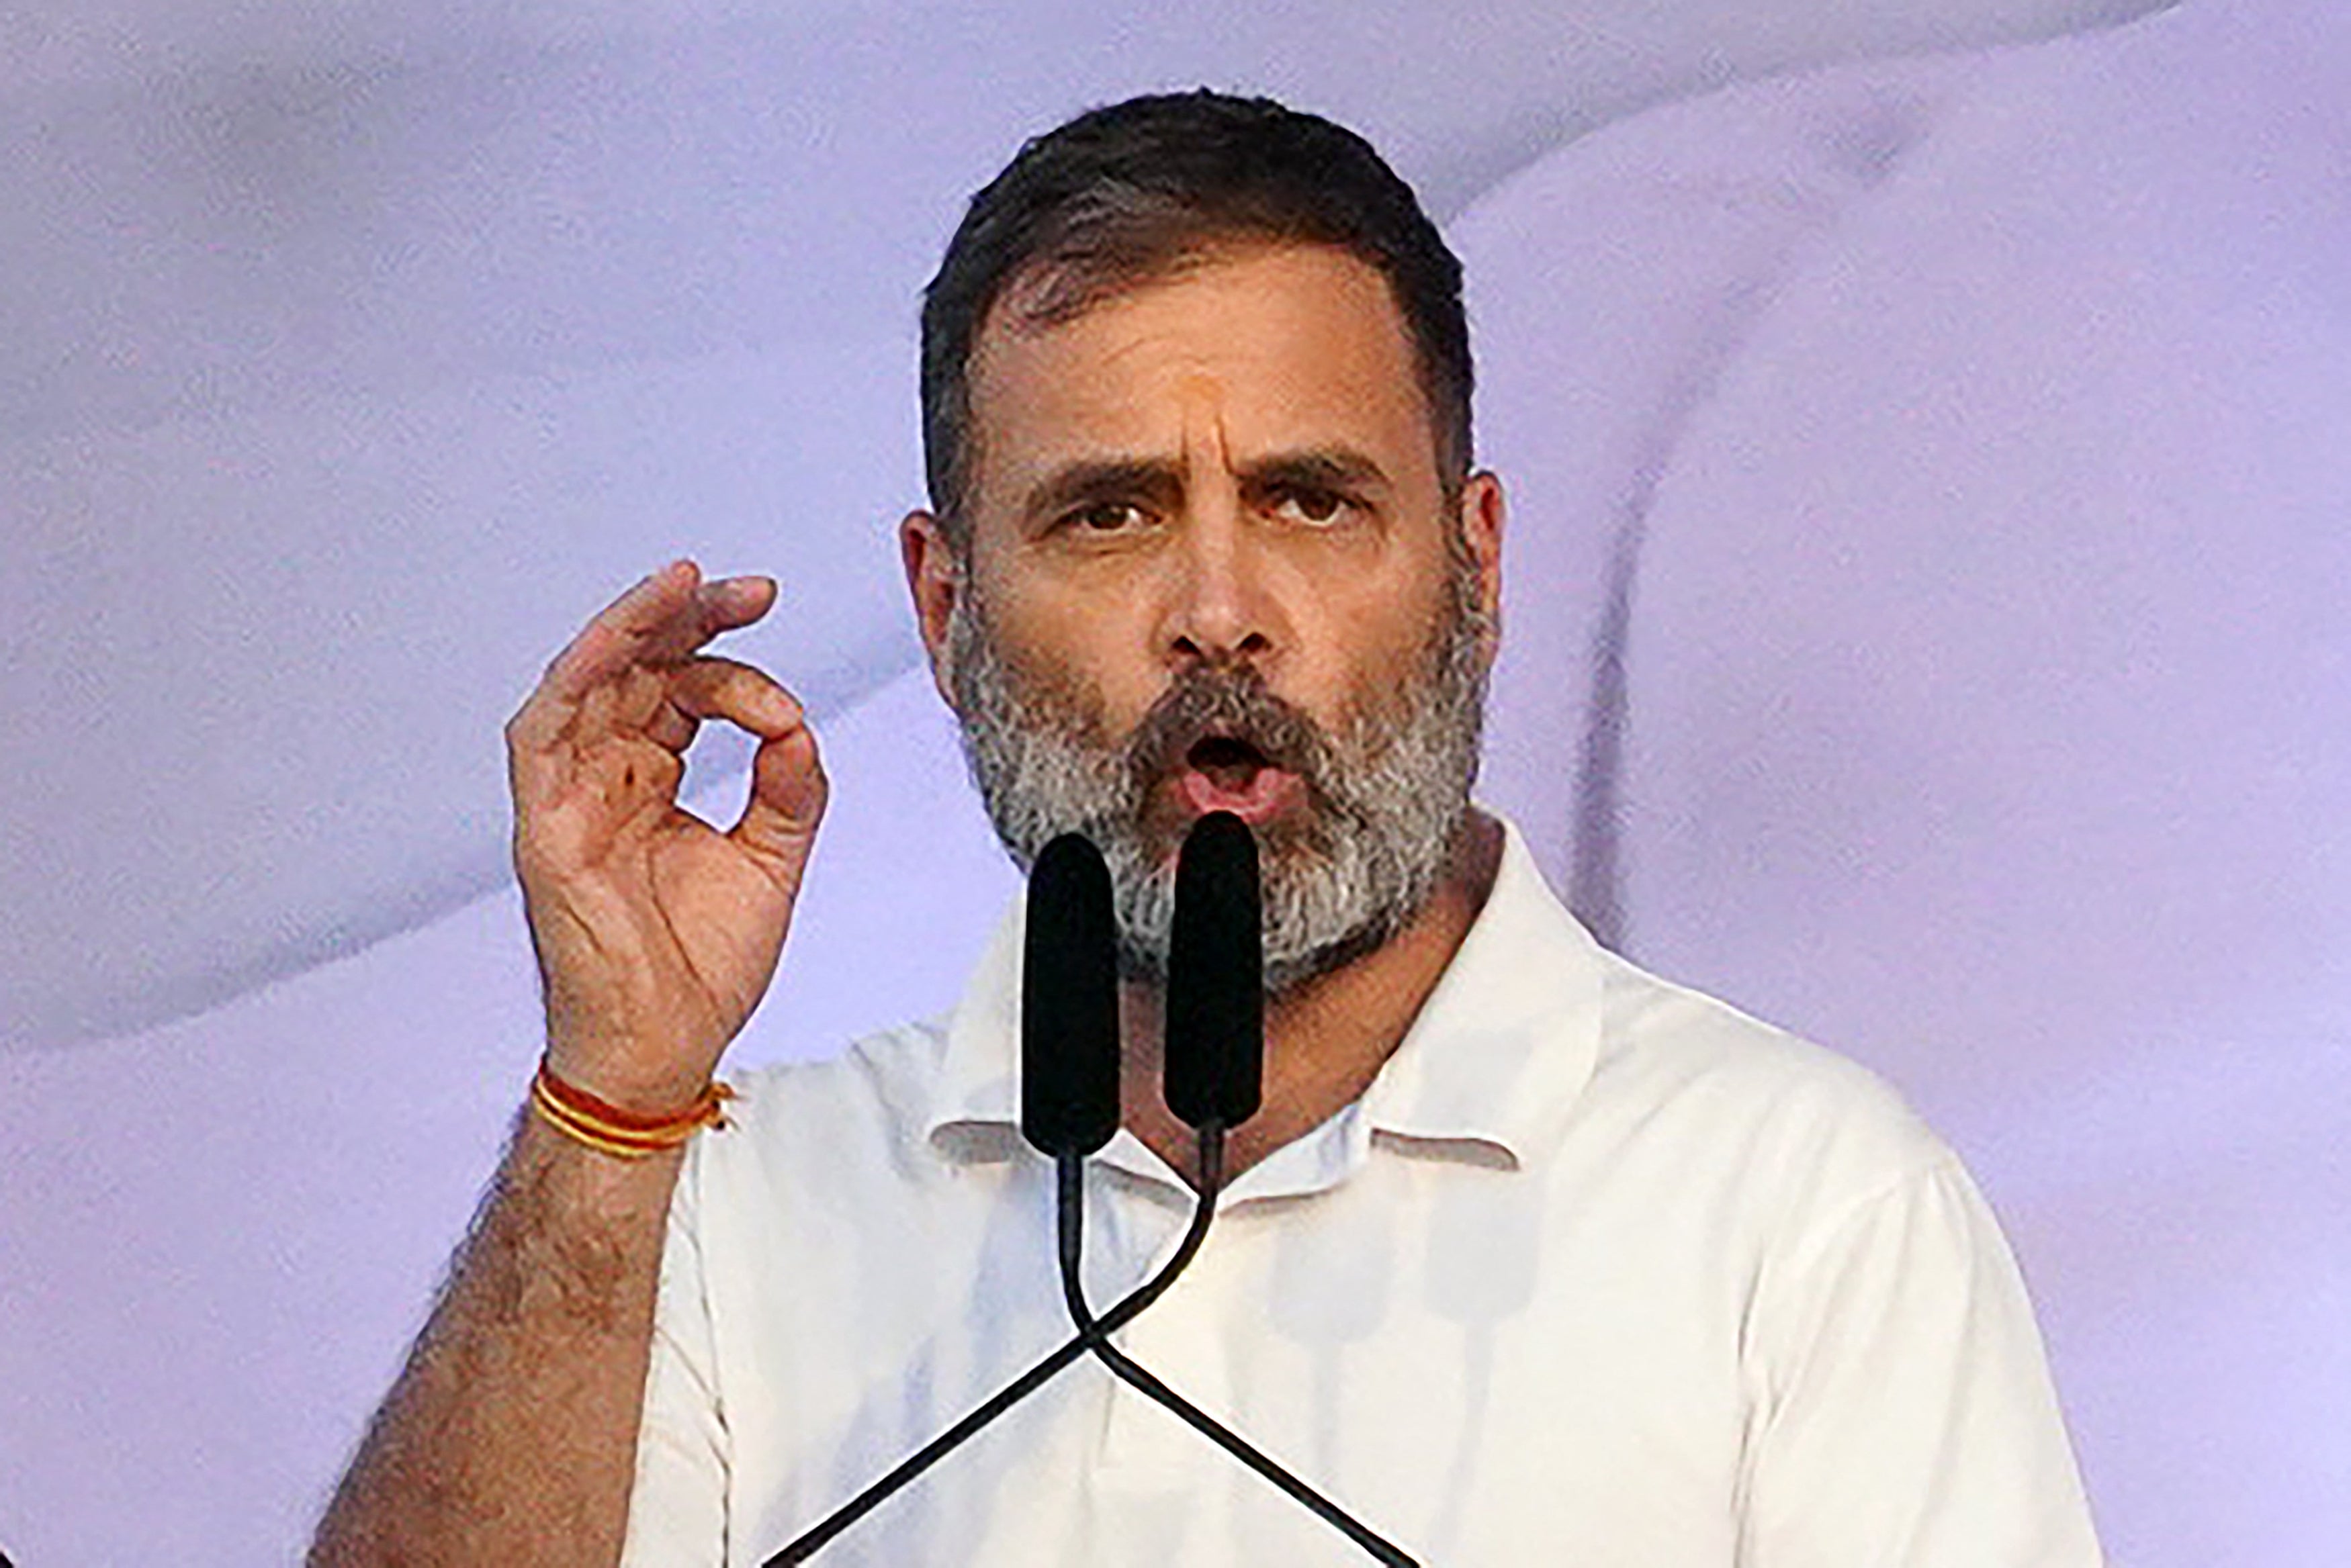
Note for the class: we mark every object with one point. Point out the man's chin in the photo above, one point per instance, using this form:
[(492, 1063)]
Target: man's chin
[(1285, 975), (1294, 960)]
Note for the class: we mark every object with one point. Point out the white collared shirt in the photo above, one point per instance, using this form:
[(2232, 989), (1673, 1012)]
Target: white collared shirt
[(1597, 1272)]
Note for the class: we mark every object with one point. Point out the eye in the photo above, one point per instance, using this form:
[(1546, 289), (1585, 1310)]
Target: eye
[(1315, 508), (1102, 517)]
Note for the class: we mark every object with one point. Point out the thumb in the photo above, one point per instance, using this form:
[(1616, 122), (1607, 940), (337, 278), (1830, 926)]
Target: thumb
[(778, 827)]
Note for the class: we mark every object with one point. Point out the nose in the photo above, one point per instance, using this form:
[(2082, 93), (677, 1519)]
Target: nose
[(1221, 609)]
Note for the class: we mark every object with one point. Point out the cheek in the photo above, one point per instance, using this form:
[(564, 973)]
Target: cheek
[(1058, 660), (1395, 656), (1382, 627), (1094, 634)]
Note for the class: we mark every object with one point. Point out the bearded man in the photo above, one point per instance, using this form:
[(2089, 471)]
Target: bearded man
[(1527, 1256)]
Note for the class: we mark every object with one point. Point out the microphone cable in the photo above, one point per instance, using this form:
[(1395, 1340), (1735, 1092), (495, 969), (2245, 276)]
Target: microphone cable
[(1068, 1107), (1070, 1215), (806, 1544), (1212, 1054), (1212, 1062)]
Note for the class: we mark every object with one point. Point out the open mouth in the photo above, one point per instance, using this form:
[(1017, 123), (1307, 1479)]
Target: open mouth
[(1227, 761), (1224, 773)]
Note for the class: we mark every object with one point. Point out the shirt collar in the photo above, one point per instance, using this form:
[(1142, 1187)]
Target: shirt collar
[(1494, 1062), (1504, 1045)]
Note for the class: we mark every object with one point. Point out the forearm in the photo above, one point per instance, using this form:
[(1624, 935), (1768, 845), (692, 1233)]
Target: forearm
[(510, 1437)]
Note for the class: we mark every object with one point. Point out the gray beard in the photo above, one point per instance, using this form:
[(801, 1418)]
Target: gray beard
[(1386, 795)]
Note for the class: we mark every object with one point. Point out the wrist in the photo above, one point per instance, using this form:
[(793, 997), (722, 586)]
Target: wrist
[(634, 1068), (625, 1131)]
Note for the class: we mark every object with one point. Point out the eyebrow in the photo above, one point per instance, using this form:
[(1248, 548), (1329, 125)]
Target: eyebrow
[(1317, 468), (1161, 480), (1075, 483)]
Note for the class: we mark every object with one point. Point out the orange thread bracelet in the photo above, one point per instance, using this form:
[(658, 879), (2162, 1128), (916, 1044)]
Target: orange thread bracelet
[(625, 1135)]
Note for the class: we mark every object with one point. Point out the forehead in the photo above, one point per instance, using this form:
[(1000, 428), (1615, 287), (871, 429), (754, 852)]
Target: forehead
[(1270, 349)]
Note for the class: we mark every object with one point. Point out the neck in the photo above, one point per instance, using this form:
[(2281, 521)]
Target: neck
[(1327, 1038)]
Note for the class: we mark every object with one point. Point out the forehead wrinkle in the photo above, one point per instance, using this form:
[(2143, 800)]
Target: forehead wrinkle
[(1200, 398), (1123, 379)]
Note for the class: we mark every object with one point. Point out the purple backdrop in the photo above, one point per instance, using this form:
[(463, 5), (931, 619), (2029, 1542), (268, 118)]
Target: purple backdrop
[(1925, 627)]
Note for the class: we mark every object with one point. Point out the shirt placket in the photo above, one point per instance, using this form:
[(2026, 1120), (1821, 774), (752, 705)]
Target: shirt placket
[(1143, 1448)]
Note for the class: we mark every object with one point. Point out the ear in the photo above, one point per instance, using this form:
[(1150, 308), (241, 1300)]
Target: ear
[(934, 580), (1481, 520)]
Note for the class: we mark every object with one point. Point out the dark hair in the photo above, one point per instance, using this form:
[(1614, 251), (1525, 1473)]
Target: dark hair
[(1130, 193)]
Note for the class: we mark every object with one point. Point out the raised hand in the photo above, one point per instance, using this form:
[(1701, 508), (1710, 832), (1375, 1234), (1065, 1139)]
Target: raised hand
[(657, 933)]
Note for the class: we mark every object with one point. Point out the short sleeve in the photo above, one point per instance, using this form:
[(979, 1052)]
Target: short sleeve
[(677, 1509), (1910, 1422)]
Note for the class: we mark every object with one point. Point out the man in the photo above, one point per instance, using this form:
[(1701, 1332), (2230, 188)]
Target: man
[(1529, 1256)]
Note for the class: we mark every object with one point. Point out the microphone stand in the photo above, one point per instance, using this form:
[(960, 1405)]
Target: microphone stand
[(1093, 1335)]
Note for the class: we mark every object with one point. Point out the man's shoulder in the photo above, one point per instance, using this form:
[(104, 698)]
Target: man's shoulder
[(1665, 1057), (1749, 1096)]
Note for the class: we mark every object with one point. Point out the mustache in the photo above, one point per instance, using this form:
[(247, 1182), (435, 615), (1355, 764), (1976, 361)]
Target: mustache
[(1231, 704)]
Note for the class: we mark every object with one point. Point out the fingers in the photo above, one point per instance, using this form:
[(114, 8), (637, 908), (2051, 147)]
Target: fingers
[(713, 688), (662, 620), (626, 631), (778, 824), (655, 625), (788, 790)]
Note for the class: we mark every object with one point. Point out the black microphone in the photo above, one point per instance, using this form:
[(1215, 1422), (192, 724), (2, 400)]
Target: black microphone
[(1215, 1045), (1070, 1051), (1069, 1002)]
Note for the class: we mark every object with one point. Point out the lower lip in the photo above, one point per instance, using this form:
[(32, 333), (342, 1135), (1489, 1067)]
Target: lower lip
[(1269, 793)]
